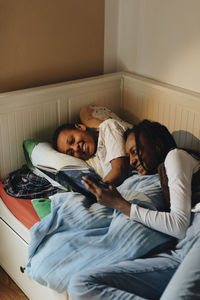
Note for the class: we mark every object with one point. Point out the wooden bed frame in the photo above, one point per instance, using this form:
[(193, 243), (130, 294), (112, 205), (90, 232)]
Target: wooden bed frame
[(36, 112)]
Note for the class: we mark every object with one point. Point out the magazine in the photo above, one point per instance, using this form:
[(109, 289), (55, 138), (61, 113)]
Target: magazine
[(70, 177)]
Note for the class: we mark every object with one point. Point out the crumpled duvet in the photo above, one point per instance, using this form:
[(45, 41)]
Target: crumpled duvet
[(80, 235)]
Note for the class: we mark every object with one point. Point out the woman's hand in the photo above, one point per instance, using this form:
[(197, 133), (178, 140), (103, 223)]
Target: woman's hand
[(109, 197)]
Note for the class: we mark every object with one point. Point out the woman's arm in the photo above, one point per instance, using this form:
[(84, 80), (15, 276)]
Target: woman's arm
[(119, 171), (173, 223), (109, 197), (170, 223), (180, 167)]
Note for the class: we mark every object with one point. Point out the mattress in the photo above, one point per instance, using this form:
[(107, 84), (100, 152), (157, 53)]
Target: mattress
[(18, 213)]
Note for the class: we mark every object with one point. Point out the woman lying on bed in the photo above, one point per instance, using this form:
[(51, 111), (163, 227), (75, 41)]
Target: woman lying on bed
[(99, 137), (148, 145)]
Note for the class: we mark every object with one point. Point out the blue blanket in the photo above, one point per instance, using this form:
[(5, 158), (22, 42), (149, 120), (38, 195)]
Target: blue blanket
[(80, 235)]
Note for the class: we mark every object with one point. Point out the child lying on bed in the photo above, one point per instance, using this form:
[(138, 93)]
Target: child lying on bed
[(100, 137)]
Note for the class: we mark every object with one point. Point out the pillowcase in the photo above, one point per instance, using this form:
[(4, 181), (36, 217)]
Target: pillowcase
[(42, 153), (42, 207)]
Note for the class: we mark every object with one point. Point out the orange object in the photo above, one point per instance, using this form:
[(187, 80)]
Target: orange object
[(22, 209)]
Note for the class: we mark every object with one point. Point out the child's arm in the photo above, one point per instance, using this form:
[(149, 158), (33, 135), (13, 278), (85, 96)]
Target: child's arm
[(93, 115), (86, 117), (118, 172)]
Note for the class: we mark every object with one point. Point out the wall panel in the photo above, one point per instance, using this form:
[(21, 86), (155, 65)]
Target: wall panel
[(178, 109)]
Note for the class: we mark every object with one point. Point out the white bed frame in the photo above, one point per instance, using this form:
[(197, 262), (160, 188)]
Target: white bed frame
[(36, 112)]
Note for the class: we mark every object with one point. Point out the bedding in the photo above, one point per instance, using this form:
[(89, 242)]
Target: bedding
[(43, 153), (22, 209), (23, 183), (37, 111), (79, 235), (42, 207), (39, 152)]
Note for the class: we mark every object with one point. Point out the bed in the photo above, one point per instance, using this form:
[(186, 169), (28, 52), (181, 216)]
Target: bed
[(36, 112)]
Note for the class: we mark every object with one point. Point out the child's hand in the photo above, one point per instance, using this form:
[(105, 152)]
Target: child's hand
[(109, 197)]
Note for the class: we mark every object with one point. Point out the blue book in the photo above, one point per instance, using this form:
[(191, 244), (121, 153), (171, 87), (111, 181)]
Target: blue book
[(70, 177)]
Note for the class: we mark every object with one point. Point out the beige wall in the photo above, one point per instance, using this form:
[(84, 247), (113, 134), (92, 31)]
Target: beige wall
[(45, 41), (111, 35), (156, 38)]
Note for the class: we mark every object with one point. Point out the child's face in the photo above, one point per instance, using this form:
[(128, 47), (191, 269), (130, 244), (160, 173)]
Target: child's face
[(77, 143)]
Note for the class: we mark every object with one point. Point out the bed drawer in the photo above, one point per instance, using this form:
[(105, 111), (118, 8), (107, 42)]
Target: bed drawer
[(13, 258)]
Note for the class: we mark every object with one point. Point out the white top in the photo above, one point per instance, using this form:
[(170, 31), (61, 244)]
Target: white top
[(180, 166), (110, 145)]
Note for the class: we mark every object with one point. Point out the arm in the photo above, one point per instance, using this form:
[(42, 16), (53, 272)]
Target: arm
[(109, 197), (87, 118), (118, 172), (112, 151), (174, 223), (93, 115), (180, 167)]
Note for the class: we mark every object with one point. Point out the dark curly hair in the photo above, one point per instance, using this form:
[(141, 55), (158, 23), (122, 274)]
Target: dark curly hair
[(156, 134)]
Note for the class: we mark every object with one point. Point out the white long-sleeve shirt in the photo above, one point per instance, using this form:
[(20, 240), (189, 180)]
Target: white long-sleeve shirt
[(180, 166)]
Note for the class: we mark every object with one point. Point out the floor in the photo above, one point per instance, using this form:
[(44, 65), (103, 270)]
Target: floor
[(8, 289)]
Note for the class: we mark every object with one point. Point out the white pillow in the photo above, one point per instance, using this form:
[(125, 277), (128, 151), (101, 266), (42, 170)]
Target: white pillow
[(45, 154)]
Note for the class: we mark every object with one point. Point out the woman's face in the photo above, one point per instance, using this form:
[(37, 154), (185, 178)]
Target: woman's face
[(76, 142), (148, 154)]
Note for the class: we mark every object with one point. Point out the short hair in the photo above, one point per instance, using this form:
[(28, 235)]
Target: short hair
[(156, 134), (67, 126)]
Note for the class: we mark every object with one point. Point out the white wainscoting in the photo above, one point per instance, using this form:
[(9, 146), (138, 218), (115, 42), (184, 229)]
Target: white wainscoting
[(176, 108), (37, 112)]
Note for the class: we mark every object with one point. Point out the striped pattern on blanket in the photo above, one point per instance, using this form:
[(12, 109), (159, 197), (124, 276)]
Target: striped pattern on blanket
[(79, 235)]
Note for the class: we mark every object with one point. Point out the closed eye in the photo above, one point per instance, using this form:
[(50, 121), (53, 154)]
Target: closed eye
[(70, 152), (71, 141)]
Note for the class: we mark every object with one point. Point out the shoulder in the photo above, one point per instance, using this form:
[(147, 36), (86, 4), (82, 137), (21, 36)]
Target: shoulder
[(93, 115), (108, 122), (181, 160), (113, 124), (178, 154), (87, 117)]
